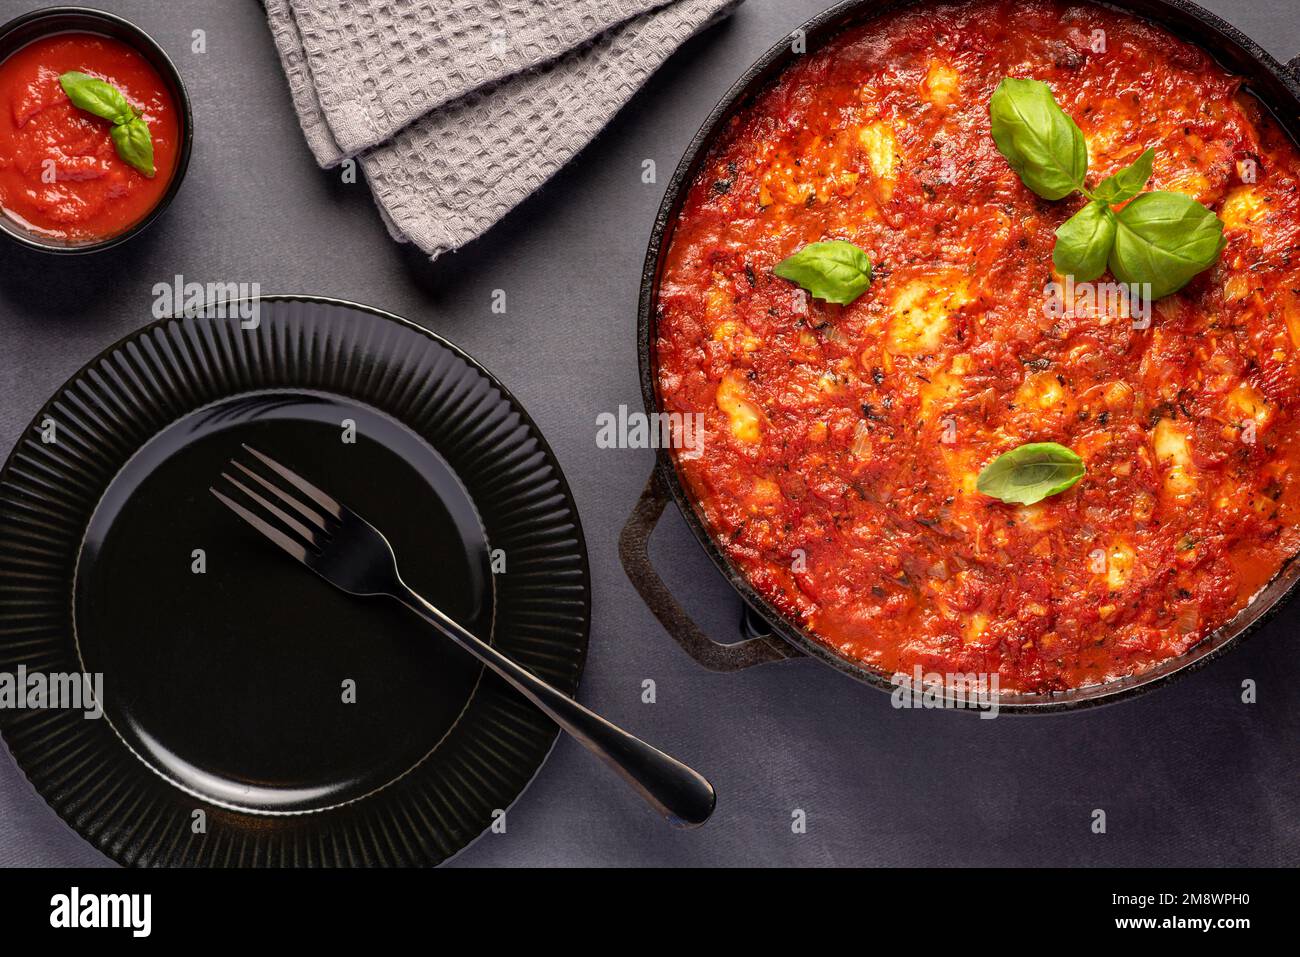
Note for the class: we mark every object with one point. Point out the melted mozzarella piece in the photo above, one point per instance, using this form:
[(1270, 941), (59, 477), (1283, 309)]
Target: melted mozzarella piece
[(1246, 402), (941, 84), (1119, 565), (946, 386), (1043, 390), (923, 309), (733, 399), (878, 141), (1173, 451), (1245, 208)]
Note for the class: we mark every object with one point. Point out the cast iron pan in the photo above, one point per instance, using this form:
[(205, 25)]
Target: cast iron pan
[(768, 634), (308, 727)]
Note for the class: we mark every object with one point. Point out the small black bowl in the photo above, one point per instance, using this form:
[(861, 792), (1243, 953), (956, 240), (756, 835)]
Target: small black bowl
[(19, 32)]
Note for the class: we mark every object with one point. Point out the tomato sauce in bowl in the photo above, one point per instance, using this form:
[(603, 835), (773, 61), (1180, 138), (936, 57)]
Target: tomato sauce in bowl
[(61, 178)]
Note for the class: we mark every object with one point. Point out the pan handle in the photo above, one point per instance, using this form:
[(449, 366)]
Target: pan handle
[(634, 551)]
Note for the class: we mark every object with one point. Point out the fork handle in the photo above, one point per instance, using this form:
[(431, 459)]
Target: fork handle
[(680, 794)]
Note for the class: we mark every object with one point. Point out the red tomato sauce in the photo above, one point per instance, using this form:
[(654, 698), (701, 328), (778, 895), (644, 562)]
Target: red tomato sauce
[(842, 442), (94, 194)]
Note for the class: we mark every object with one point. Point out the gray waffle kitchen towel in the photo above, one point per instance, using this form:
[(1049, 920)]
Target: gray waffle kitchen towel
[(457, 110)]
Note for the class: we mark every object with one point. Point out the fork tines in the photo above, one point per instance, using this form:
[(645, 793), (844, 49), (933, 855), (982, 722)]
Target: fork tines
[(298, 526)]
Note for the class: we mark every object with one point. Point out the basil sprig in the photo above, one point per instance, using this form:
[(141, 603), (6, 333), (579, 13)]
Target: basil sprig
[(1086, 241), (1159, 239), (130, 132), (836, 271), (1030, 473)]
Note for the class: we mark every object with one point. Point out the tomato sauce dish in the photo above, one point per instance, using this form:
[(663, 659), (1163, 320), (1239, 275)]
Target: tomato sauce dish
[(931, 439), (94, 130)]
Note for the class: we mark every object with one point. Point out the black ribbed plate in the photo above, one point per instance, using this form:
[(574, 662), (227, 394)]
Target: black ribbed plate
[(310, 728)]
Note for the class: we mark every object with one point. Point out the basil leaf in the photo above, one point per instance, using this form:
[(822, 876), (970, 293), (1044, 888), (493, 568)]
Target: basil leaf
[(1128, 182), (1084, 241), (1164, 239), (135, 145), (96, 96), (1043, 145), (1030, 473), (836, 271), (130, 132)]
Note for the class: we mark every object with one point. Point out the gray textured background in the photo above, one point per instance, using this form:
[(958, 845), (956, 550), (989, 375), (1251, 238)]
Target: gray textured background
[(1187, 775)]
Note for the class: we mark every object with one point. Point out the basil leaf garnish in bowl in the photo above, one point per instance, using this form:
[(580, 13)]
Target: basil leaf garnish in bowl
[(95, 96), (135, 144), (1030, 473), (130, 132), (836, 271)]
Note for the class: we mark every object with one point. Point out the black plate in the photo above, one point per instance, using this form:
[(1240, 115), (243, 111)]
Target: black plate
[(226, 666)]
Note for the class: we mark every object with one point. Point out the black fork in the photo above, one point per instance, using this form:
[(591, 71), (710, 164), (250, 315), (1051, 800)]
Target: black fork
[(352, 555)]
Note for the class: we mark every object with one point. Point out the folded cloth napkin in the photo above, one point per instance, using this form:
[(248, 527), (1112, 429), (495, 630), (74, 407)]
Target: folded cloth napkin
[(457, 110)]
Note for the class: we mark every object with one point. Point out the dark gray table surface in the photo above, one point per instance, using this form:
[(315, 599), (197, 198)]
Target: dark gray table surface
[(1187, 775)]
